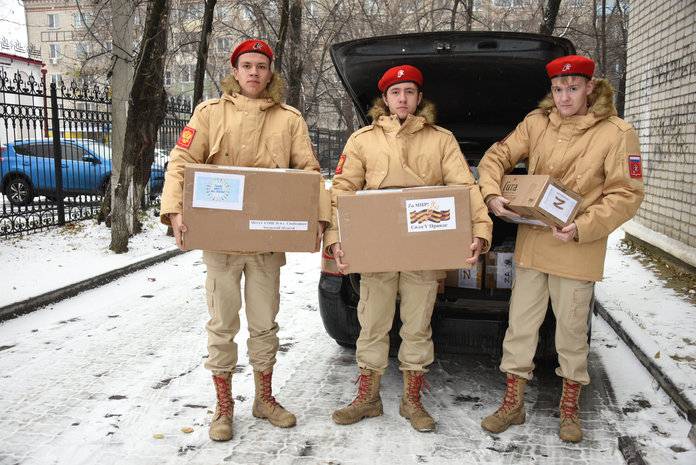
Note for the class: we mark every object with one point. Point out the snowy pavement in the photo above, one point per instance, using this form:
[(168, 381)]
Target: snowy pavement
[(114, 375)]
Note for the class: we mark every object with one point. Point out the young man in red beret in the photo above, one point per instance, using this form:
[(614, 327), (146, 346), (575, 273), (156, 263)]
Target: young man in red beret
[(247, 126), (576, 137), (402, 148)]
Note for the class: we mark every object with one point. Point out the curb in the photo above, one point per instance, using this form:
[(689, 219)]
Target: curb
[(665, 383), (16, 309)]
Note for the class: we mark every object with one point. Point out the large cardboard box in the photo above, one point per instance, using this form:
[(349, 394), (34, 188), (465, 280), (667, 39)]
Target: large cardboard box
[(237, 209), (540, 199), (500, 270), (405, 229), (466, 278)]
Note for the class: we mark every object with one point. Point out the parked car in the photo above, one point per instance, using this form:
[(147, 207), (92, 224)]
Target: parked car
[(27, 169), (483, 84)]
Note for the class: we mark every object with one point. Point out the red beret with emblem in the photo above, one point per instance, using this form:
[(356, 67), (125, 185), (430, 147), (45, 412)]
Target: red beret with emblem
[(571, 65), (253, 45), (397, 74)]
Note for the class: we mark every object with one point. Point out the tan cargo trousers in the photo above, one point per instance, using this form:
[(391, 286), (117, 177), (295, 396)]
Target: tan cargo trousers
[(570, 300), (262, 299), (376, 309)]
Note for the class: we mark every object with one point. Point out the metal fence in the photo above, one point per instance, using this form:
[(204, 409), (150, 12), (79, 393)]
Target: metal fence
[(55, 160)]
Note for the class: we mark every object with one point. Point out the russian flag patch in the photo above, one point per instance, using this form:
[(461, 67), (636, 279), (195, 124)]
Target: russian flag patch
[(635, 168)]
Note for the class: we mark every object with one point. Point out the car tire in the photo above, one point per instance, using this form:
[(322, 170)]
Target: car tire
[(19, 191)]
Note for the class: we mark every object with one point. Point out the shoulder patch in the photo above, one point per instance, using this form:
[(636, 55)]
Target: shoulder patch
[(635, 167), (290, 108), (186, 137), (339, 166)]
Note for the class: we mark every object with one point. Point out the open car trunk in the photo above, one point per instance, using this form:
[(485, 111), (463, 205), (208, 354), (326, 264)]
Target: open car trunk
[(482, 83)]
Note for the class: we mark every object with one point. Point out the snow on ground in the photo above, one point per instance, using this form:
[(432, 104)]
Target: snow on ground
[(114, 374)]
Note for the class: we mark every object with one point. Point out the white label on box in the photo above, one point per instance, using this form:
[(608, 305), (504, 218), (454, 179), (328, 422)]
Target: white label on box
[(558, 203), (430, 214), (218, 190), (273, 225), (468, 279), (505, 268)]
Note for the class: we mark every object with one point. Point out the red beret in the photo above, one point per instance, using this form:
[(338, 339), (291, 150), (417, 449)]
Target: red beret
[(571, 65), (253, 45), (403, 73)]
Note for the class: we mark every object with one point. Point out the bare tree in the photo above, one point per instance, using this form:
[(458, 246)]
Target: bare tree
[(146, 110), (202, 59), (550, 13)]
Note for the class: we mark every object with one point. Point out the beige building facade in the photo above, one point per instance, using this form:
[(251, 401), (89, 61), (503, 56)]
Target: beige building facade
[(661, 106)]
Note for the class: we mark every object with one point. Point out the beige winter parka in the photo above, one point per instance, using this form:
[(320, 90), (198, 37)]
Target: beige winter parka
[(389, 155), (237, 131), (589, 154)]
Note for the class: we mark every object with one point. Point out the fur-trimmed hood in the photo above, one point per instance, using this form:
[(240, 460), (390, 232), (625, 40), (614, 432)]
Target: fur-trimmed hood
[(274, 90), (601, 100), (426, 109)]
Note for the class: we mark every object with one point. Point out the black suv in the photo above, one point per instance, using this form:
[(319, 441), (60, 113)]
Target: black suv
[(483, 84)]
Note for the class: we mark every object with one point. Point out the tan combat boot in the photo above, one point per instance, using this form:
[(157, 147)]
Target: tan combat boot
[(512, 411), (411, 406), (221, 424), (368, 403), (570, 406), (265, 405)]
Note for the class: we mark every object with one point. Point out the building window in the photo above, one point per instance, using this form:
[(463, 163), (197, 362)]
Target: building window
[(223, 44), (77, 20), (247, 13), (83, 50), (312, 8), (109, 45), (54, 51), (167, 78), (53, 22), (57, 79), (509, 3), (187, 72), (222, 12)]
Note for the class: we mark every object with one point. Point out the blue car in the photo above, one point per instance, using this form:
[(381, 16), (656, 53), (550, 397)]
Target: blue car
[(27, 169)]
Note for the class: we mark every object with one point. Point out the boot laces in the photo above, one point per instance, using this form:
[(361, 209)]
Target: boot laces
[(224, 399), (510, 400), (569, 400), (417, 384), (266, 390), (364, 388)]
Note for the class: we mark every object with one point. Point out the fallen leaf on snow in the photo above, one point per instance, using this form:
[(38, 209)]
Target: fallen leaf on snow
[(657, 355), (158, 436), (187, 430)]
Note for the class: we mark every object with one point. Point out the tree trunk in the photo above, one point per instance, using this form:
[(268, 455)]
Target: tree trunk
[(296, 64), (202, 59), (282, 36), (550, 15), (146, 111), (118, 217)]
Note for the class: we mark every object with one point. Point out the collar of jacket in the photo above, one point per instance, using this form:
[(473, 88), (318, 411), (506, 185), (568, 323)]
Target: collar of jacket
[(601, 102), (274, 91)]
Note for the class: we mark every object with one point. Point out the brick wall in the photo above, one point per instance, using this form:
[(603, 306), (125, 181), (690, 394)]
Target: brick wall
[(661, 106)]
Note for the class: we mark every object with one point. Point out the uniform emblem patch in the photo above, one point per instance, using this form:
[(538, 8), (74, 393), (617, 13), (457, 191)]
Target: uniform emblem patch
[(635, 167), (341, 161), (186, 137)]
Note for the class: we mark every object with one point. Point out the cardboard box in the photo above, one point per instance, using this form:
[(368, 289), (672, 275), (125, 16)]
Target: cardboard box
[(237, 209), (466, 278), (540, 199), (426, 228), (500, 270)]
